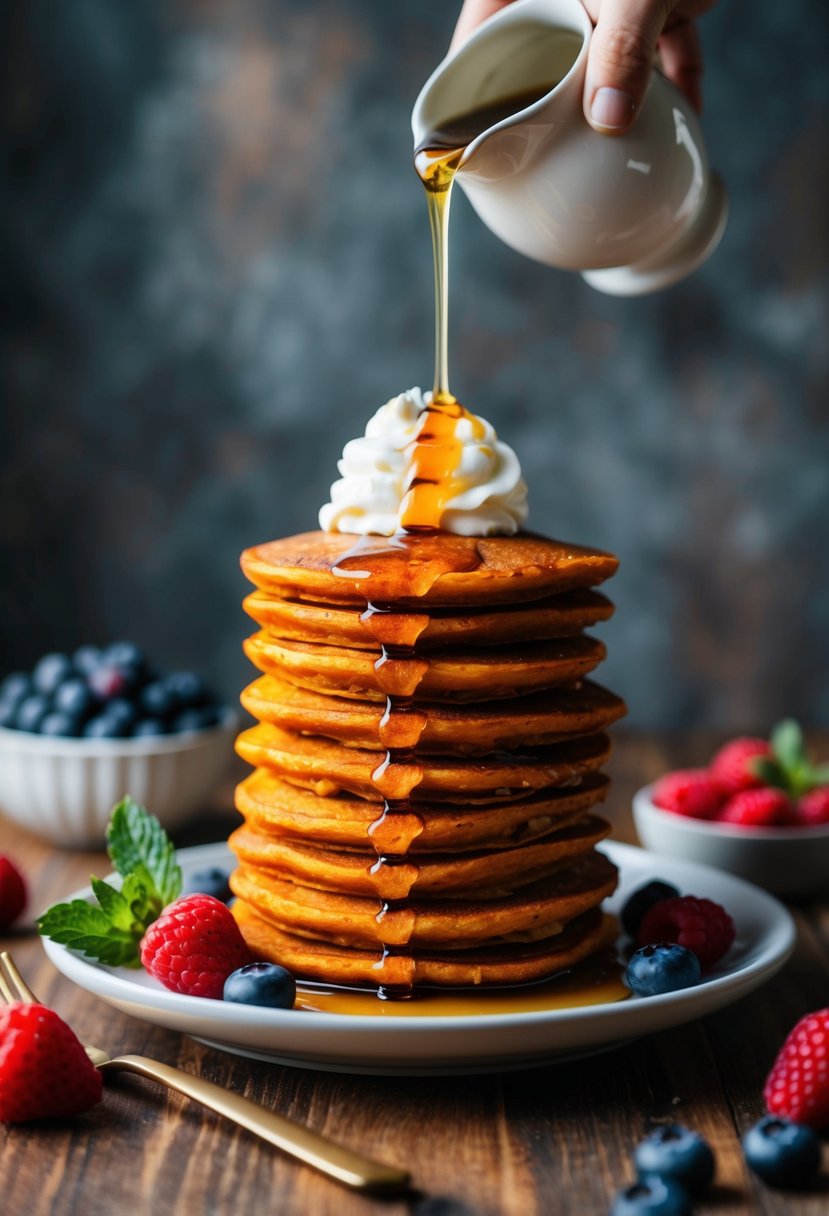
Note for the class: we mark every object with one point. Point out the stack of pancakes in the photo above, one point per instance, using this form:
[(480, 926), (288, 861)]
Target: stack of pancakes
[(482, 868)]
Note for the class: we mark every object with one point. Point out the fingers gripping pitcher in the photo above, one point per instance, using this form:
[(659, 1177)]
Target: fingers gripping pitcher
[(632, 213)]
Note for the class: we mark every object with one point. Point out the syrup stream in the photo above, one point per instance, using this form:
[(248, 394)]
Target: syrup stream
[(433, 482)]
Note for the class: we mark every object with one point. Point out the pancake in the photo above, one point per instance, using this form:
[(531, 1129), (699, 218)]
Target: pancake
[(529, 721), (537, 910), (327, 767), (463, 674), (559, 616), (500, 872), (276, 808), (512, 964), (433, 571)]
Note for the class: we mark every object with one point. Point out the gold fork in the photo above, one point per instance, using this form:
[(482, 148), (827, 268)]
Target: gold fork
[(332, 1159)]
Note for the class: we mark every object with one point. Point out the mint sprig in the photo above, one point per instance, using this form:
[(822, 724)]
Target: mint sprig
[(143, 855), (138, 845), (789, 767)]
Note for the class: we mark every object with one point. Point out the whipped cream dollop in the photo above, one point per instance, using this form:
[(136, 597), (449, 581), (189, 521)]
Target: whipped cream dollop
[(490, 494)]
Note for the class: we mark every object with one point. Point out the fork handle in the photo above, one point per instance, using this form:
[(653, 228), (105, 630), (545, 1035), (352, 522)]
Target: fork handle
[(332, 1159)]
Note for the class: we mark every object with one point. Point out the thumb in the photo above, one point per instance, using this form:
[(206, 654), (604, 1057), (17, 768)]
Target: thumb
[(619, 62)]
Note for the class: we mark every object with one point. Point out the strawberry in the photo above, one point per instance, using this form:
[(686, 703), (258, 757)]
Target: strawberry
[(731, 767), (44, 1071), (760, 808), (798, 1084), (12, 893), (689, 791), (698, 924), (194, 945), (813, 810)]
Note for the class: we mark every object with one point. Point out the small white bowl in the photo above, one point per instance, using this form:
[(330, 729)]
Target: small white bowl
[(785, 861), (65, 789)]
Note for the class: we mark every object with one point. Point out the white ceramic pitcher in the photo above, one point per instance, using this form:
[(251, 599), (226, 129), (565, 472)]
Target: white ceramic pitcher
[(632, 212)]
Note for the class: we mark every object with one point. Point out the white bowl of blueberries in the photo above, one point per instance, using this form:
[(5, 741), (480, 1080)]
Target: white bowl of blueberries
[(79, 732)]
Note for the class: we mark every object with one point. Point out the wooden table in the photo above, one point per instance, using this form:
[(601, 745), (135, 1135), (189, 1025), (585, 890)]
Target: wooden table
[(548, 1140)]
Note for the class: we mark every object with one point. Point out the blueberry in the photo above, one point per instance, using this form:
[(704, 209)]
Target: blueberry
[(107, 682), (31, 713), (105, 727), (187, 689), (782, 1153), (641, 901), (50, 671), (125, 655), (261, 984), (652, 1196), (8, 714), (212, 881), (663, 967), (15, 688), (120, 710), (156, 699), (678, 1154), (61, 725), (149, 728), (86, 659), (197, 719), (73, 697)]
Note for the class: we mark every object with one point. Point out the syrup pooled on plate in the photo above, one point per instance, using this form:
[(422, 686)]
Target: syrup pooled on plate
[(595, 982)]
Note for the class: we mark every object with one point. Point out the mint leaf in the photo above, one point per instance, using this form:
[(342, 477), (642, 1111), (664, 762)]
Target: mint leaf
[(787, 745), (137, 844), (143, 855), (769, 772), (83, 927)]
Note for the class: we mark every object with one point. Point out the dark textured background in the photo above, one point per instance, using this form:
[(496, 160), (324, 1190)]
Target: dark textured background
[(217, 266)]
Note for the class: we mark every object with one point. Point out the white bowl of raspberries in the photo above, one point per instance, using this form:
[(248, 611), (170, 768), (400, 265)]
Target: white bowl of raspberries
[(79, 731), (759, 810)]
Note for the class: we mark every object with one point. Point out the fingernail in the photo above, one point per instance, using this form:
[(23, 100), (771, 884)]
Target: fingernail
[(611, 109)]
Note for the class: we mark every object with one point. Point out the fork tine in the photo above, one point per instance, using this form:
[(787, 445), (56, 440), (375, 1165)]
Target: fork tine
[(11, 981), (5, 991)]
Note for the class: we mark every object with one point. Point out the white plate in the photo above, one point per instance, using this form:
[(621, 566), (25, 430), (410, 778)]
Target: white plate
[(404, 1044)]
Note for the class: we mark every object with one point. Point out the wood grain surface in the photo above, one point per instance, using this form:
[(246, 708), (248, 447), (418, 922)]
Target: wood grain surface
[(534, 1143)]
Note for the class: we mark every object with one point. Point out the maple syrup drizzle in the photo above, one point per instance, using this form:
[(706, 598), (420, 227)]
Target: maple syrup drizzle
[(434, 460)]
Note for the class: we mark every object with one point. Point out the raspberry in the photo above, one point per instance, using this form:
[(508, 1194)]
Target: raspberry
[(698, 924), (689, 791), (194, 945), (813, 809), (730, 766), (763, 808), (798, 1084), (44, 1071), (12, 893)]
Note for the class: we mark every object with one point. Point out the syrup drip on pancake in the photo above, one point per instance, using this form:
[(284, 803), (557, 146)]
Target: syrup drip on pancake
[(400, 669)]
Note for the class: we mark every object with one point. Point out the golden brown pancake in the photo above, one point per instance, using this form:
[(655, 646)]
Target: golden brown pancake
[(508, 964), (498, 873), (431, 572), (462, 674), (287, 812), (541, 620), (327, 767), (537, 910), (529, 721)]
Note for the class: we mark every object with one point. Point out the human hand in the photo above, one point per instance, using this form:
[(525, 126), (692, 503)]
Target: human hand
[(622, 49)]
